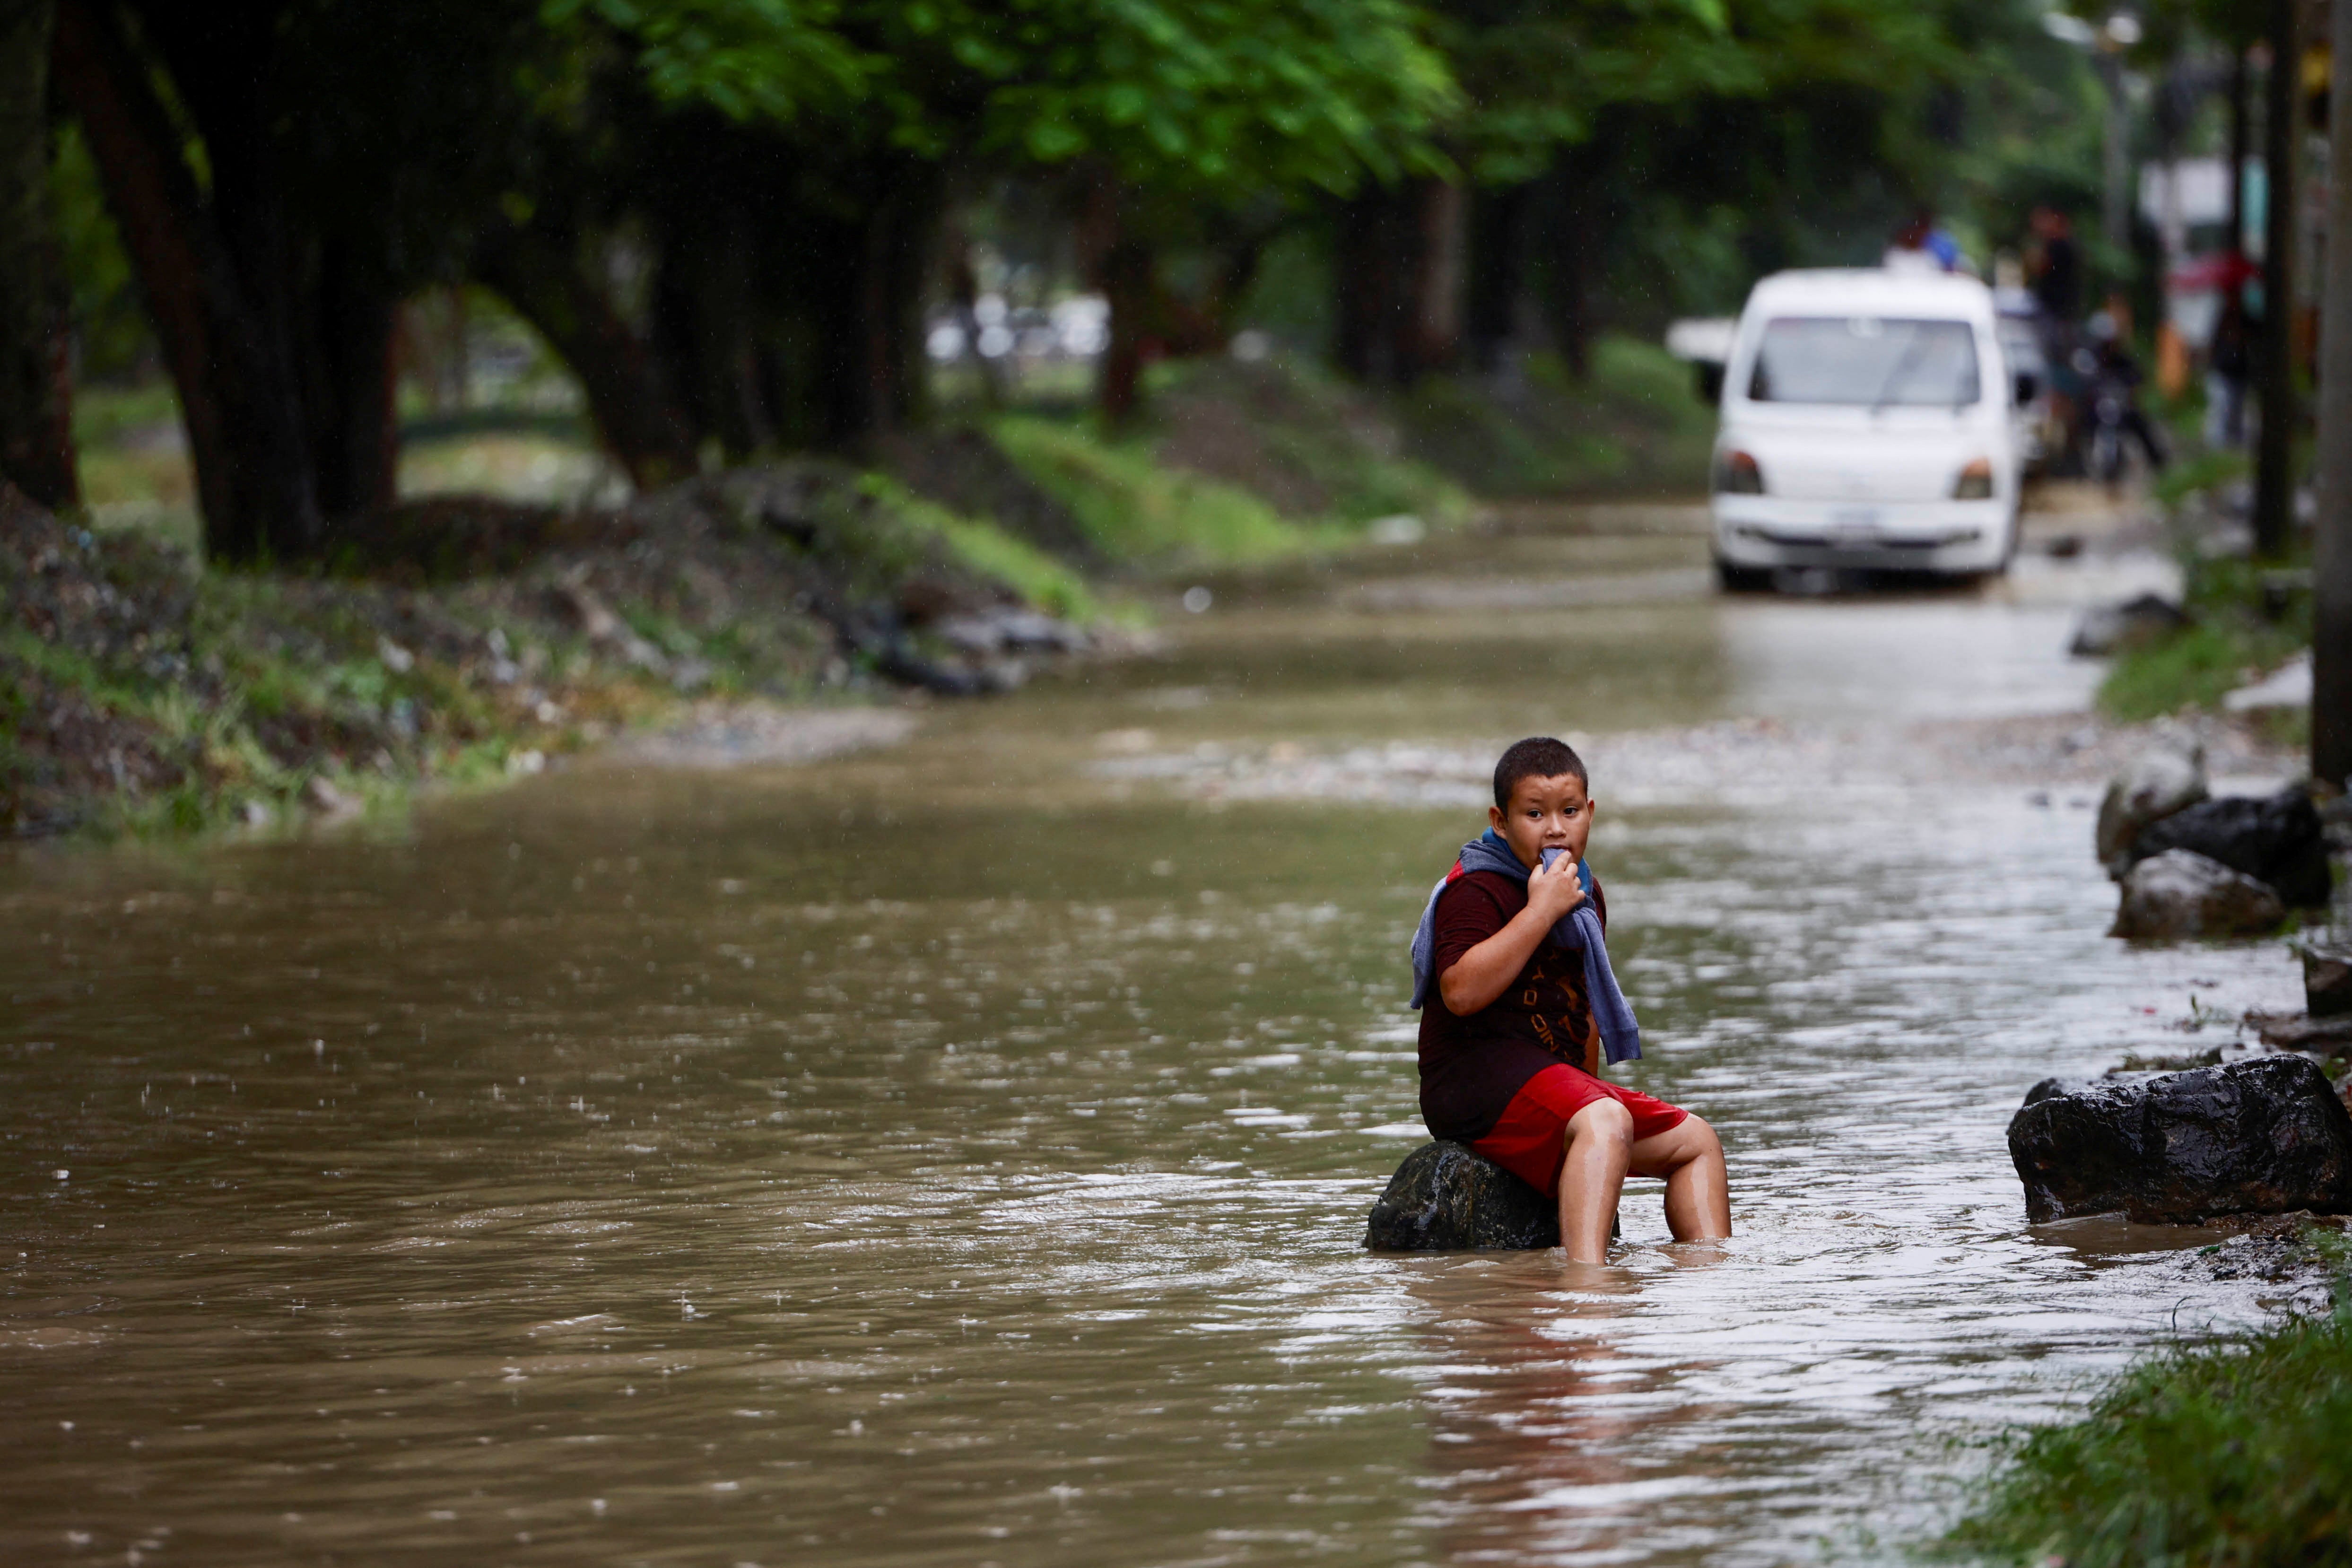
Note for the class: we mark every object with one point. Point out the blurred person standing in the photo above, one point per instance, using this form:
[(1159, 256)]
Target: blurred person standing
[(1920, 244), (1907, 248), (2054, 276), (2228, 362), (2054, 267)]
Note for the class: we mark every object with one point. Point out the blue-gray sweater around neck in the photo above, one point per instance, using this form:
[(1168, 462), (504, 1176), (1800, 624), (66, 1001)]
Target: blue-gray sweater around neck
[(1578, 931)]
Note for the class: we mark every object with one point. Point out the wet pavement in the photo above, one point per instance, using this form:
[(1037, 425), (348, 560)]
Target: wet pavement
[(958, 1152)]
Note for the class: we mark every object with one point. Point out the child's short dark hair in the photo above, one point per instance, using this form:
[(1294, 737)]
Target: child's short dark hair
[(1537, 757)]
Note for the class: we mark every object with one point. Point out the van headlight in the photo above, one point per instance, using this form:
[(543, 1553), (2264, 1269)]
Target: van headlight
[(1975, 482), (1735, 474)]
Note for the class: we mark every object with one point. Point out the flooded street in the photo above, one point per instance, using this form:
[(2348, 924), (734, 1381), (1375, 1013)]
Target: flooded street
[(958, 1152)]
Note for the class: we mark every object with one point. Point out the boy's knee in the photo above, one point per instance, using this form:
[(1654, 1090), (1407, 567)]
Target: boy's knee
[(1605, 1119)]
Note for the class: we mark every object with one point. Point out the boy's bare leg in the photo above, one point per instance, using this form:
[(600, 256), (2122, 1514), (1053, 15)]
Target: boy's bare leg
[(1599, 1149), (1698, 1191)]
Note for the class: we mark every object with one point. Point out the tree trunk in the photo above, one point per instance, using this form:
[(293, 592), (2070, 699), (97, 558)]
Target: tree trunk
[(2331, 631), (348, 395), (641, 419), (1431, 328), (2282, 131), (237, 391), (36, 450), (1125, 279), (901, 247), (1363, 266), (1564, 241), (963, 293), (706, 332), (1398, 276), (1495, 274)]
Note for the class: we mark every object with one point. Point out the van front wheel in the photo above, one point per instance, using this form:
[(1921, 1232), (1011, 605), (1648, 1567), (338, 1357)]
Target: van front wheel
[(1742, 579)]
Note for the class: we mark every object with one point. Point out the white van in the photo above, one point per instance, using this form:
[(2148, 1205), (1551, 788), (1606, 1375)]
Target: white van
[(1866, 422)]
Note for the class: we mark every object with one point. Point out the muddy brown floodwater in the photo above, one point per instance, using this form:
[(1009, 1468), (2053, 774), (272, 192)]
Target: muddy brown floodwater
[(958, 1152)]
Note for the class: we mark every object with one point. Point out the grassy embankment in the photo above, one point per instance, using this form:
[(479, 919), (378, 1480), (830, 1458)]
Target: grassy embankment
[(2244, 621), (465, 640), (2235, 1453), (1235, 464)]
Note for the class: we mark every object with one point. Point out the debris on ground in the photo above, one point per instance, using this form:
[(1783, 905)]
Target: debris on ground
[(2291, 1251)]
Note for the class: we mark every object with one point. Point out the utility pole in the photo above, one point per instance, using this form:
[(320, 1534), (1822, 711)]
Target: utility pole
[(2114, 192), (2331, 629), (2282, 131)]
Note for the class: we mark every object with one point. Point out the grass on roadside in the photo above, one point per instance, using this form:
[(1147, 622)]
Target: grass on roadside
[(1136, 510), (2222, 1455), (2243, 622), (2206, 471), (989, 552), (1634, 424)]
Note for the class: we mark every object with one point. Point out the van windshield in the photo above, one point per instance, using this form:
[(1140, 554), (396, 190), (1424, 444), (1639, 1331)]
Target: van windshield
[(1873, 361)]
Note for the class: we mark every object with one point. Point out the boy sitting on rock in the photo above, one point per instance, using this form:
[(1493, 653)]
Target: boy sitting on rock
[(1517, 1004)]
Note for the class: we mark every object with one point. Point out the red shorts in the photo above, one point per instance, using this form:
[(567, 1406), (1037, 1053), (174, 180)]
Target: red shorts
[(1530, 1138)]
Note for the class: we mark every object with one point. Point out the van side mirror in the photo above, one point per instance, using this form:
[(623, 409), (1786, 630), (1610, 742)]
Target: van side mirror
[(2028, 387), (1710, 379)]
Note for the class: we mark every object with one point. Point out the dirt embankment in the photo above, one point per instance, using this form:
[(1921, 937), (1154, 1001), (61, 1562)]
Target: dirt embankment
[(460, 639)]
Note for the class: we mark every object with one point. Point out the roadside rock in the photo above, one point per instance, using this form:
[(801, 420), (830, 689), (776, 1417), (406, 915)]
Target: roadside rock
[(2302, 1032), (2327, 977), (2264, 1136), (320, 795), (1010, 629), (2181, 893), (2168, 777), (2051, 1088), (2277, 839), (2110, 628), (1447, 1198)]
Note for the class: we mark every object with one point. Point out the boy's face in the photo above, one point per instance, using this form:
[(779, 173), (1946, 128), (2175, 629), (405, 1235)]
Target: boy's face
[(1545, 813)]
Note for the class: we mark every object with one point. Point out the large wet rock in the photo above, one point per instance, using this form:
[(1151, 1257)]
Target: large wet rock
[(2166, 778), (1446, 1197), (2264, 1136), (2181, 894), (2277, 840)]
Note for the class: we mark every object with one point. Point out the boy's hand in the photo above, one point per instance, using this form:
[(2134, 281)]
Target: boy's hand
[(1553, 890)]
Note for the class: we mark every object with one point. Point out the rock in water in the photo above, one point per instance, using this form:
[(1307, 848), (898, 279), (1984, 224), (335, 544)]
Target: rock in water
[(2327, 977), (2181, 893), (1446, 1197), (2165, 779), (2277, 839), (2112, 627), (2265, 1136)]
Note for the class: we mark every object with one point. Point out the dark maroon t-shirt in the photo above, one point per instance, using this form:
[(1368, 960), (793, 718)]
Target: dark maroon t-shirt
[(1471, 1066)]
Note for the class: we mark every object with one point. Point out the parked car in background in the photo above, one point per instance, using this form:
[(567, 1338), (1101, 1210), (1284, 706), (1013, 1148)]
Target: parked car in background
[(2034, 408), (1867, 421)]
